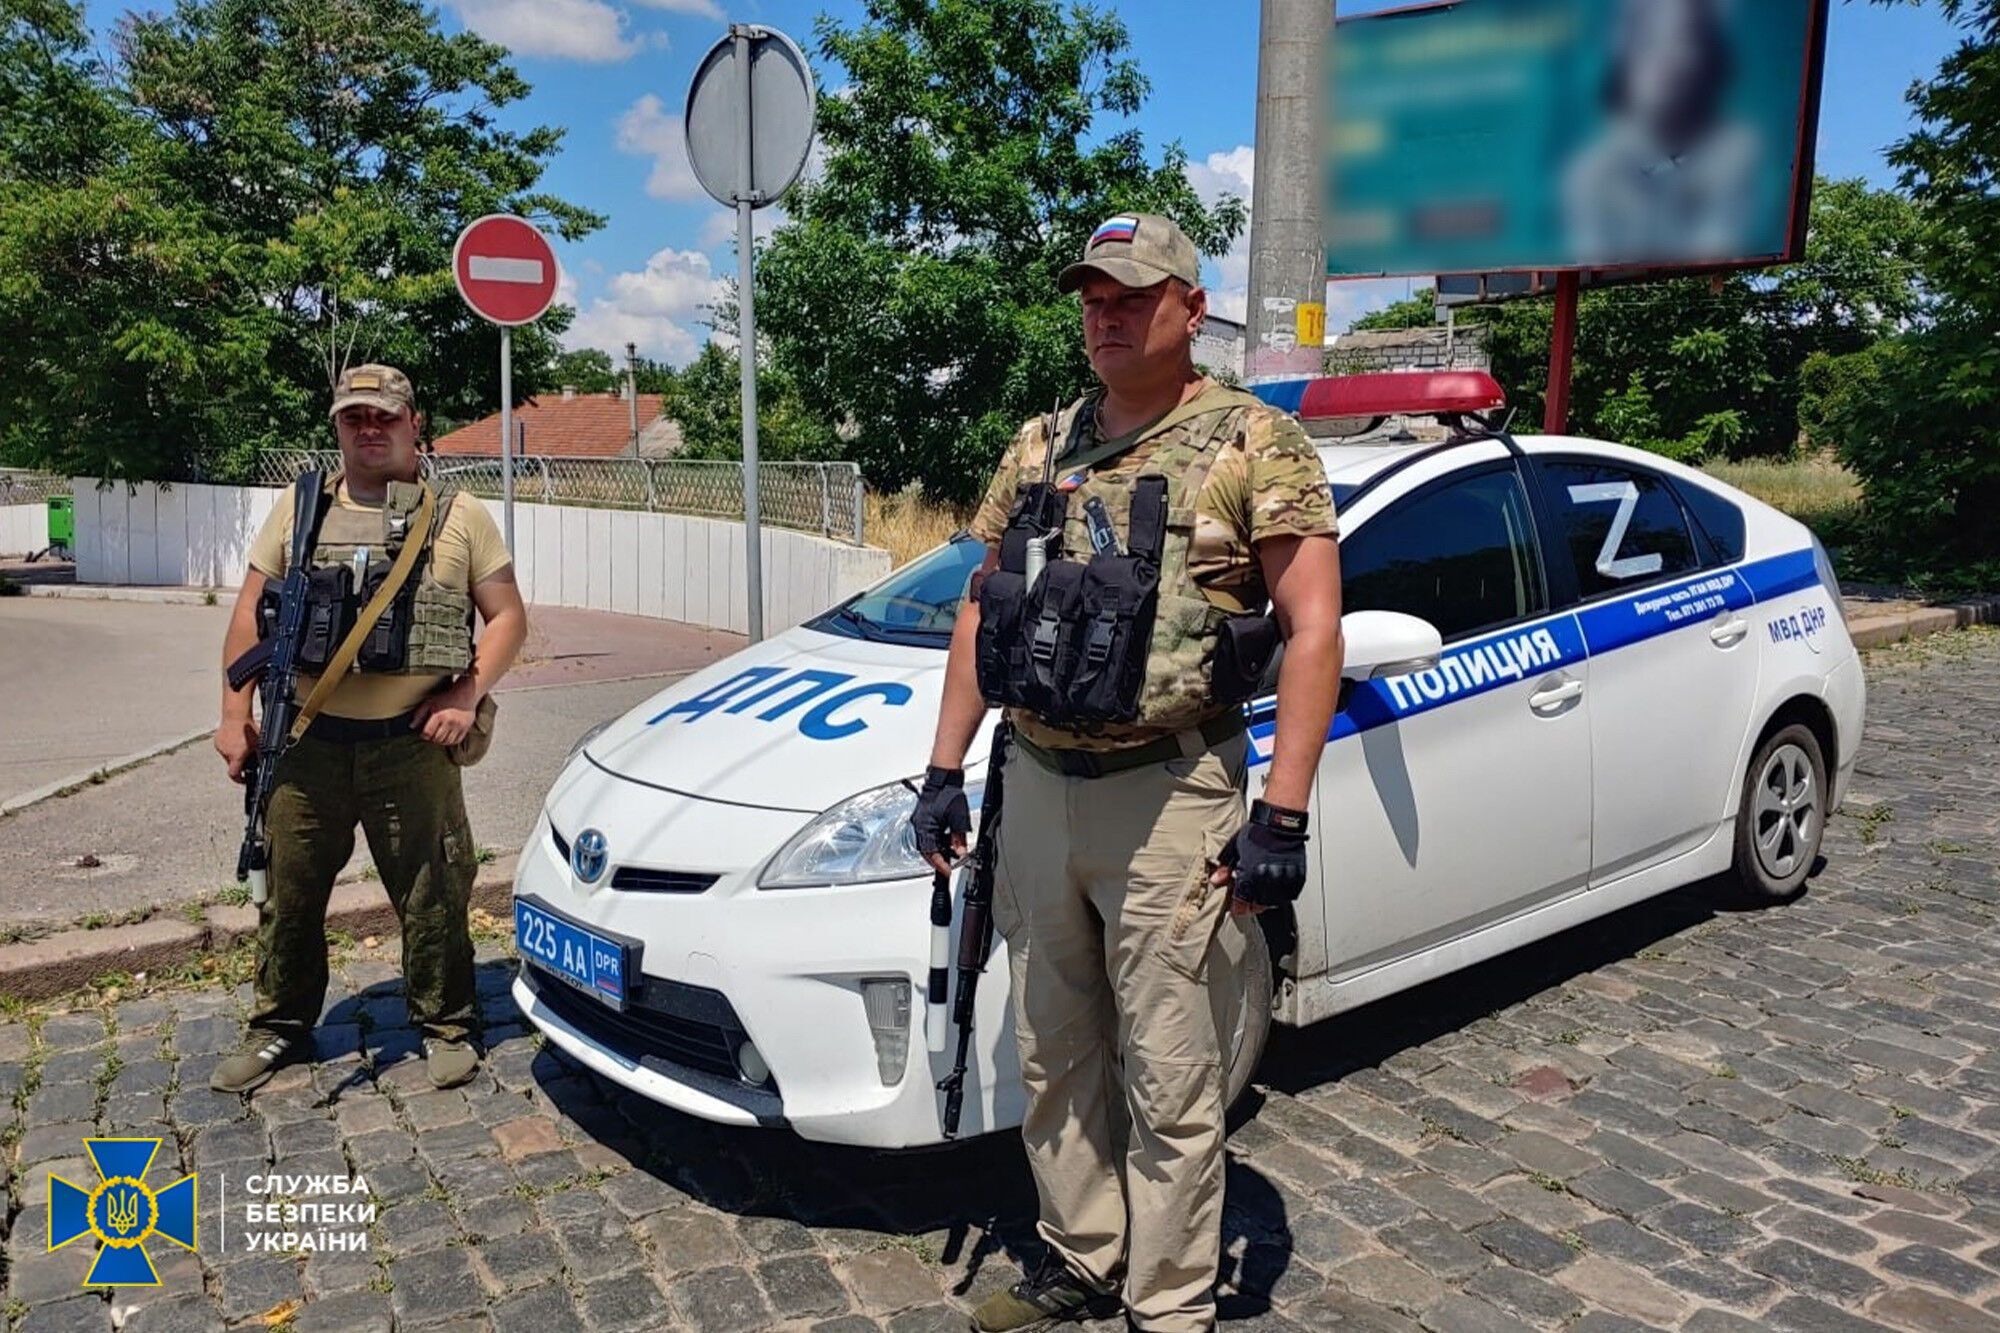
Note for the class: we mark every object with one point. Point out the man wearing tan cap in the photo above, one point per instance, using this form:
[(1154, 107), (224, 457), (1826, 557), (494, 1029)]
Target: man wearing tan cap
[(387, 743), (1127, 877)]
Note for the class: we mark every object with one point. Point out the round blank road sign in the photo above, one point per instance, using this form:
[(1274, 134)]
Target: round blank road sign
[(783, 105), (506, 269)]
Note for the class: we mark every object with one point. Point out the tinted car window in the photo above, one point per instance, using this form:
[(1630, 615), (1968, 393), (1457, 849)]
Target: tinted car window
[(1462, 557), (1719, 518), (1622, 526)]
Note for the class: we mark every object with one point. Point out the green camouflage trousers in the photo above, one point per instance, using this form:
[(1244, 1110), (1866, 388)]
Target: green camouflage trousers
[(407, 796)]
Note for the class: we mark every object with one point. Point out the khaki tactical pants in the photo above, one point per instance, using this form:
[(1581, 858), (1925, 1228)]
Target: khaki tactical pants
[(1123, 960), (406, 794)]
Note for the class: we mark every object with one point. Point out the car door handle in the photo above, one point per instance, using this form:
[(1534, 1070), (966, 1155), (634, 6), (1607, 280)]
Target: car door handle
[(1729, 633), (1556, 696)]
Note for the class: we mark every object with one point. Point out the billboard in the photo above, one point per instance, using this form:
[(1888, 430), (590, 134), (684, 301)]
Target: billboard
[(1486, 136)]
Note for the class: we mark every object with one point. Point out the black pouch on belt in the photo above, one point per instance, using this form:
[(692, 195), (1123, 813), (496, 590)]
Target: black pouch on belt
[(1244, 651)]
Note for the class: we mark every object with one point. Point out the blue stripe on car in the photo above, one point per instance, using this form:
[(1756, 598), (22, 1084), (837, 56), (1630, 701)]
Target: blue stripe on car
[(1524, 651)]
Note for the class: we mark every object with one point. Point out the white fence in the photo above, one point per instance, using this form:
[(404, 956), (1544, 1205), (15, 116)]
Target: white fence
[(668, 566), (23, 528)]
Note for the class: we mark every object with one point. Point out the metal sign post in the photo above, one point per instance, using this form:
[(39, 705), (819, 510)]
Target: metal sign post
[(506, 271), (749, 127), (507, 434)]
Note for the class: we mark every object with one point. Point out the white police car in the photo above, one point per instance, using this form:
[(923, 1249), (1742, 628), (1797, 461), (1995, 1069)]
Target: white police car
[(1577, 675)]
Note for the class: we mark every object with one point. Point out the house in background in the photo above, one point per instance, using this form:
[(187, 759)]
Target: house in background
[(575, 425)]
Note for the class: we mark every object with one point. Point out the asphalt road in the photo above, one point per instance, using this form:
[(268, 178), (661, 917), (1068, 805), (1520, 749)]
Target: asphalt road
[(167, 831), (83, 684), (79, 679)]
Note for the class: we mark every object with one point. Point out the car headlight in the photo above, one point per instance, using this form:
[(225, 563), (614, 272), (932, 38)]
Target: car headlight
[(866, 839), (586, 739)]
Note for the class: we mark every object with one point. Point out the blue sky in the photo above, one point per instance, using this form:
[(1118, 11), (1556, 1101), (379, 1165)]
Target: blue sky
[(615, 74)]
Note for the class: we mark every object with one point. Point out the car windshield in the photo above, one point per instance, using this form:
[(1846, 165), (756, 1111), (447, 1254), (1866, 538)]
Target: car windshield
[(917, 605)]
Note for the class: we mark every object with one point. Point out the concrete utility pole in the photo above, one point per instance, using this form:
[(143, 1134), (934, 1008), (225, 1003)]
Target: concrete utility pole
[(632, 390), (1287, 314)]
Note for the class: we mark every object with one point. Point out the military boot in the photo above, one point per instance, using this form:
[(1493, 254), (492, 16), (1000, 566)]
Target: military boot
[(450, 1062), (261, 1055), (1050, 1295)]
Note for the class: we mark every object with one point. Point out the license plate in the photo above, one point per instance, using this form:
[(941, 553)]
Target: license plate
[(598, 964)]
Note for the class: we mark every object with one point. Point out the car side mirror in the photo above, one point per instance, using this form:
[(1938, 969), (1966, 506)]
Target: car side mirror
[(1388, 643)]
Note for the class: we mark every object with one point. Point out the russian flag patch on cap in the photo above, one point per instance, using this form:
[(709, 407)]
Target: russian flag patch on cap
[(1117, 229)]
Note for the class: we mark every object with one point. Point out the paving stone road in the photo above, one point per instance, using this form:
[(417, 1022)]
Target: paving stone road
[(1685, 1117)]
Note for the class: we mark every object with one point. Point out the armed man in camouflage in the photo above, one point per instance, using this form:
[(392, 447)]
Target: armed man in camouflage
[(386, 750), (1126, 869)]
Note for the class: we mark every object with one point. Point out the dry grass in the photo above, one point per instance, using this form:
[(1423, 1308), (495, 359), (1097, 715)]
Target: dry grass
[(1816, 490), (906, 524)]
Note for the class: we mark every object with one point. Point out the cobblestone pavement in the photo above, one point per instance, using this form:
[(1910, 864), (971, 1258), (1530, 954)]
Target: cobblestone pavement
[(1684, 1117)]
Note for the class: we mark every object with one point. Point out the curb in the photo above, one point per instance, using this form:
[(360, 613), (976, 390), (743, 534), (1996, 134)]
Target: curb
[(68, 960), (15, 804), (107, 592), (1881, 631)]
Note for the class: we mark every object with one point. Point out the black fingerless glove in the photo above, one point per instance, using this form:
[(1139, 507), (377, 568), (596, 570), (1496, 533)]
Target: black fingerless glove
[(1268, 855), (941, 810)]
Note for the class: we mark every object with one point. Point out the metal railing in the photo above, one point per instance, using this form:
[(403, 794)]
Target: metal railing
[(19, 486), (807, 497)]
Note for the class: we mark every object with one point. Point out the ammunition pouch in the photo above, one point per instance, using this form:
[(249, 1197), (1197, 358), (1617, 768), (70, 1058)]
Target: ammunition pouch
[(331, 605), (1072, 648)]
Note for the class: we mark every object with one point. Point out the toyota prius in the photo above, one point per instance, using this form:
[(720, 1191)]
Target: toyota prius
[(1577, 675)]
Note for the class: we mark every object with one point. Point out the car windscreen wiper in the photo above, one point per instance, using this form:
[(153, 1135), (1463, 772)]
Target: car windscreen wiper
[(860, 624)]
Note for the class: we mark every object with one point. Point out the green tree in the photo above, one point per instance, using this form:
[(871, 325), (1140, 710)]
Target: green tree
[(1918, 415), (587, 370), (277, 199), (706, 399), (911, 298), (1703, 367)]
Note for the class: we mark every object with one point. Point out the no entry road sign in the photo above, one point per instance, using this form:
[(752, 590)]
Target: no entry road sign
[(506, 269)]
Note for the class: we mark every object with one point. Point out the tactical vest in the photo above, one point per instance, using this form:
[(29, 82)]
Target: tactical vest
[(427, 628), (1116, 629)]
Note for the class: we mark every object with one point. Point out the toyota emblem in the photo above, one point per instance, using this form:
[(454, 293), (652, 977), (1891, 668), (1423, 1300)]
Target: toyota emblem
[(589, 856)]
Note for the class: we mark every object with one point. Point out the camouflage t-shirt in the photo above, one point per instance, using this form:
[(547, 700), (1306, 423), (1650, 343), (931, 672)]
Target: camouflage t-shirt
[(1266, 481)]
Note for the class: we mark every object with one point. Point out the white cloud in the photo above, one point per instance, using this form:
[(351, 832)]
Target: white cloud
[(1231, 172), (1234, 171), (574, 29), (653, 307), (707, 9), (646, 130)]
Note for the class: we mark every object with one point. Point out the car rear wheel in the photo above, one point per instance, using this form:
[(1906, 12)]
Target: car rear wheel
[(1246, 1022), (1782, 817)]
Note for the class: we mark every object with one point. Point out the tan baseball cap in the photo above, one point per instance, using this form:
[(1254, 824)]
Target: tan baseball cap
[(1137, 249), (374, 386)]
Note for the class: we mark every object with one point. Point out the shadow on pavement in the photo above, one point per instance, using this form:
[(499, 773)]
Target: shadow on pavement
[(1302, 1058)]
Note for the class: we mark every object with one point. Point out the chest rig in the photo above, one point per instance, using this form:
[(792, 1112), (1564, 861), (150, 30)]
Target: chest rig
[(427, 628), (1111, 630)]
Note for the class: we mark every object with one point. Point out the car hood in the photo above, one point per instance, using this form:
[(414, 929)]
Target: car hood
[(798, 722)]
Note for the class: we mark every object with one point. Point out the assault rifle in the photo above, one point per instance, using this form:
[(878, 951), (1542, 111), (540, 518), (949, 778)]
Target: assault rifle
[(273, 664), (975, 929)]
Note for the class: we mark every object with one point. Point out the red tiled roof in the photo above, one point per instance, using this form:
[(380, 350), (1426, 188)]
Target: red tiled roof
[(590, 425)]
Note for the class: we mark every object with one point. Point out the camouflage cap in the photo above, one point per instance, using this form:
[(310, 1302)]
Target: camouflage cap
[(374, 386), (1137, 249)]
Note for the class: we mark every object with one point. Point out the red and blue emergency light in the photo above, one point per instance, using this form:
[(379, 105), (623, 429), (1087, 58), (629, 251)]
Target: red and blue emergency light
[(1443, 393)]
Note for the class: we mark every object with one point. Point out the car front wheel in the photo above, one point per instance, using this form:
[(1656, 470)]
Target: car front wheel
[(1782, 817)]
